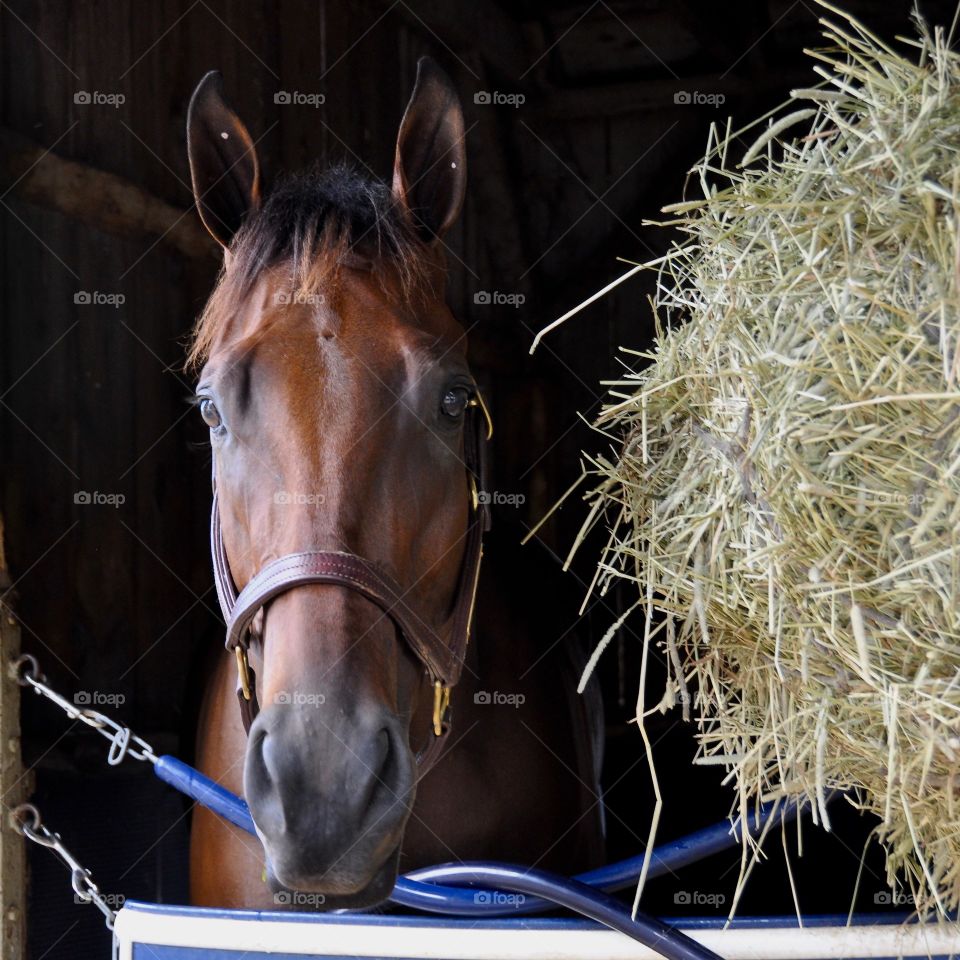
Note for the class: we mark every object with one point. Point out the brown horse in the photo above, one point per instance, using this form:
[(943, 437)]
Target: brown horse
[(335, 384)]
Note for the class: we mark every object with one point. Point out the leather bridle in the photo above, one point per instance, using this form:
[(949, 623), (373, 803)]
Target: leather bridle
[(441, 651)]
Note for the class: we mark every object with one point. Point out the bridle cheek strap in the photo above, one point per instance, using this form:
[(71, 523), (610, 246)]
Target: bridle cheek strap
[(441, 652)]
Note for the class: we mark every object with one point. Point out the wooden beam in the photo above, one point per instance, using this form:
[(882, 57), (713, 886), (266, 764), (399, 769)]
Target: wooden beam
[(466, 29), (102, 200), (13, 869)]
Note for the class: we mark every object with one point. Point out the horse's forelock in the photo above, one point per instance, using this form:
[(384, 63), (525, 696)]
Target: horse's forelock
[(310, 223)]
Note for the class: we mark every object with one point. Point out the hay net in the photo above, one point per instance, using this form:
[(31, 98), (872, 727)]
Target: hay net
[(787, 493)]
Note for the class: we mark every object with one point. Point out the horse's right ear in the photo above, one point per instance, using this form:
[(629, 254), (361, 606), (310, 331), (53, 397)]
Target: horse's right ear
[(430, 165), (223, 161)]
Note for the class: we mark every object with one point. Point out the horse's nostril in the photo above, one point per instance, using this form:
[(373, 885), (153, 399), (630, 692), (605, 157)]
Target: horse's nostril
[(388, 764), (256, 759), (379, 767)]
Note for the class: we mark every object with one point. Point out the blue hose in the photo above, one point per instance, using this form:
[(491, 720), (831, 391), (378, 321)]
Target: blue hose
[(424, 890), (585, 900), (206, 792), (667, 858)]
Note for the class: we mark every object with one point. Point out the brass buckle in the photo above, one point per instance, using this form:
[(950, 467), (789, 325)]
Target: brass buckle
[(441, 703), (243, 670)]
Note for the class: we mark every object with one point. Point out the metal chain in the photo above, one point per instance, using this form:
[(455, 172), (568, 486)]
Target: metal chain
[(25, 819), (123, 742)]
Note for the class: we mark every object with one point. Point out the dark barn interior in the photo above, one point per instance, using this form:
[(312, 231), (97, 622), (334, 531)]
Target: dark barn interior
[(576, 136)]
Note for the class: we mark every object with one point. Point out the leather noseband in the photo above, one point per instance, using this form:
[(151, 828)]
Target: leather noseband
[(440, 651)]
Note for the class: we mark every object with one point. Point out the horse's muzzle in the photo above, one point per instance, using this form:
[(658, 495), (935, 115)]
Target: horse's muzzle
[(330, 789)]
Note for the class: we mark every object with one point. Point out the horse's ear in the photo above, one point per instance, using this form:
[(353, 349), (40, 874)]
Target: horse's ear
[(430, 168), (223, 161)]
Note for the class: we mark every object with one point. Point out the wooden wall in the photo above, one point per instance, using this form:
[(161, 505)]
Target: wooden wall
[(119, 599)]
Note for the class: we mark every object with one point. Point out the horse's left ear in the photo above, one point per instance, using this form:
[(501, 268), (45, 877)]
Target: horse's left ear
[(430, 168), (223, 161)]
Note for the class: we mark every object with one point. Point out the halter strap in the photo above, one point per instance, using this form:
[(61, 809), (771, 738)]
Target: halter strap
[(442, 658)]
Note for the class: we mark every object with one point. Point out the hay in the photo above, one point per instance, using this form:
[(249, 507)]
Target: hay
[(788, 489)]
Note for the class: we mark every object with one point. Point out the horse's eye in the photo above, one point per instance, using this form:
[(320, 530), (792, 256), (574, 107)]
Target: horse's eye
[(210, 413), (455, 402)]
